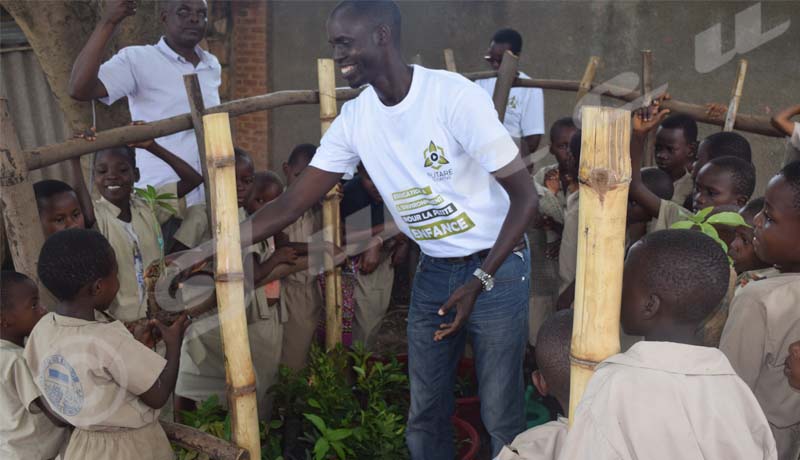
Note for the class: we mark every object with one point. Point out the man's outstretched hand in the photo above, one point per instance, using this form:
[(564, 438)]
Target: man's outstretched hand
[(463, 299)]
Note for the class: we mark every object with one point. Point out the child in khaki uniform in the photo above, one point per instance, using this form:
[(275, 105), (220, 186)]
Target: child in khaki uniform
[(27, 428), (544, 442), (745, 260), (132, 228), (764, 319), (675, 150), (668, 397), (94, 374)]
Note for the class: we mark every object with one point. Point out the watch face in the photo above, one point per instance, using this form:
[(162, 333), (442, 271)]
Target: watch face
[(489, 285)]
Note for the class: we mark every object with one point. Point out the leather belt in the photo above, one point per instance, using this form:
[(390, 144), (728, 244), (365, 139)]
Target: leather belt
[(478, 255)]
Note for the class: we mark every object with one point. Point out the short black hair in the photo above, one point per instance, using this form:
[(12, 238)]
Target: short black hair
[(659, 182), (742, 172), (378, 11), (791, 174), (509, 37), (683, 122), (48, 188), (575, 147), (241, 154), (128, 152), (552, 352), (8, 280), (561, 123), (686, 269), (263, 178), (752, 208), (71, 259), (728, 143), (302, 151)]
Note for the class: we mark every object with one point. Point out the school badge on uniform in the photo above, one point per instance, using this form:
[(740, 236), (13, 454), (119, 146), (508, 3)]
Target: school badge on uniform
[(434, 157), (62, 388)]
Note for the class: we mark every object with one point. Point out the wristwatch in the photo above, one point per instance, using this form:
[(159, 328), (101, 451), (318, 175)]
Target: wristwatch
[(486, 279)]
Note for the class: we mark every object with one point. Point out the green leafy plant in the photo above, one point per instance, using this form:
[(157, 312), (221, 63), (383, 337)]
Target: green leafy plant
[(156, 201), (705, 223)]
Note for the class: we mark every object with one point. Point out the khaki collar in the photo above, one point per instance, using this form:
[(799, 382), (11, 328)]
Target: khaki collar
[(676, 358)]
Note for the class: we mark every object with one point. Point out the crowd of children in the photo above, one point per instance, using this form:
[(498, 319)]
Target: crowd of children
[(89, 379)]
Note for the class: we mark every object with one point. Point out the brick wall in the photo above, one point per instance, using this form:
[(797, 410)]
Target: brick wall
[(248, 75)]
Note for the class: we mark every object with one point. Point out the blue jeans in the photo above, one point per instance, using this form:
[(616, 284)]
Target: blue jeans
[(498, 327)]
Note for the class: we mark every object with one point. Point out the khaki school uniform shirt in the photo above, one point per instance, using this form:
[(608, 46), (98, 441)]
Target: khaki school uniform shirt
[(682, 189), (303, 230), (665, 400), (764, 319), (194, 228), (25, 432), (130, 303), (543, 442), (568, 253), (668, 214), (92, 372)]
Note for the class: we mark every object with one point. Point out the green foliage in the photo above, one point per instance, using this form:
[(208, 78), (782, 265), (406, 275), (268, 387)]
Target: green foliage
[(705, 224), (156, 200)]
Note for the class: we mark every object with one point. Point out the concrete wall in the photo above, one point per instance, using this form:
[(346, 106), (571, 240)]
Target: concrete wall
[(559, 38)]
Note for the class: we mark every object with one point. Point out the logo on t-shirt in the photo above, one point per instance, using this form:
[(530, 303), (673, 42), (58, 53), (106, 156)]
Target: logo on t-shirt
[(512, 102), (62, 388), (434, 157)]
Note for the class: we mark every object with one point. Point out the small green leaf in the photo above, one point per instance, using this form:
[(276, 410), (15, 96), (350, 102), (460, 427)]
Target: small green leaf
[(314, 403), (709, 230), (360, 371), (337, 446), (321, 448), (317, 421), (338, 434), (167, 196), (167, 206), (701, 214), (682, 225), (732, 219)]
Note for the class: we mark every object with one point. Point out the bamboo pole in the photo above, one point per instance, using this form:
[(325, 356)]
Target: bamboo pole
[(55, 153), (204, 443), (585, 84), (331, 220), (230, 287), (505, 79), (450, 60), (20, 218), (736, 96), (605, 173), (647, 88), (197, 106)]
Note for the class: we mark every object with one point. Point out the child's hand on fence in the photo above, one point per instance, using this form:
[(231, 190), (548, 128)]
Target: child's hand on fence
[(89, 134), (173, 335), (117, 10), (146, 144), (716, 111), (648, 118)]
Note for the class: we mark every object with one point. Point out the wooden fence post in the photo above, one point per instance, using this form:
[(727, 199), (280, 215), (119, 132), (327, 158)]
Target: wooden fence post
[(449, 60), (647, 88), (198, 107), (505, 80), (588, 77), (736, 96)]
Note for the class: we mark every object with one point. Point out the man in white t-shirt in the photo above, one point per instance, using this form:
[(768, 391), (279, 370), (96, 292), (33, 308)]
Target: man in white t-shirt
[(151, 77), (453, 181), (524, 117)]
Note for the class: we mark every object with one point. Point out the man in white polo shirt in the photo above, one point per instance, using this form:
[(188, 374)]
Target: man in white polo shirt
[(454, 182), (524, 117), (151, 77)]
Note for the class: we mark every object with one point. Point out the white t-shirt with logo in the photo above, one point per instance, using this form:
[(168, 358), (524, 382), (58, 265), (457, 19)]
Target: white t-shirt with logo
[(430, 157), (525, 110)]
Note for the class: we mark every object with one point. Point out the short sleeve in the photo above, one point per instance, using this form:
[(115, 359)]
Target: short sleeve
[(117, 75), (141, 365), (533, 116), (473, 122), (163, 214), (745, 334), (194, 228), (336, 153), (670, 213), (27, 391)]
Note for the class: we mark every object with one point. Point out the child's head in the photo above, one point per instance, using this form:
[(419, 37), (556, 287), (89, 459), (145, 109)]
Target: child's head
[(266, 187), (741, 248), (19, 305), (245, 170), (552, 356), (298, 160), (79, 265), (660, 183), (778, 224), (574, 163), (672, 279), (676, 144), (560, 134), (724, 181), (726, 143), (369, 185), (114, 171), (59, 208)]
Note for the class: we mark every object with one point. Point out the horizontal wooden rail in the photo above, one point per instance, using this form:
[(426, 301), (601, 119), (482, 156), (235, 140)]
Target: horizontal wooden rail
[(54, 153)]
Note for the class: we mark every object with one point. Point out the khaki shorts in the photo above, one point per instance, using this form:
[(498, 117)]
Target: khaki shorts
[(146, 443)]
